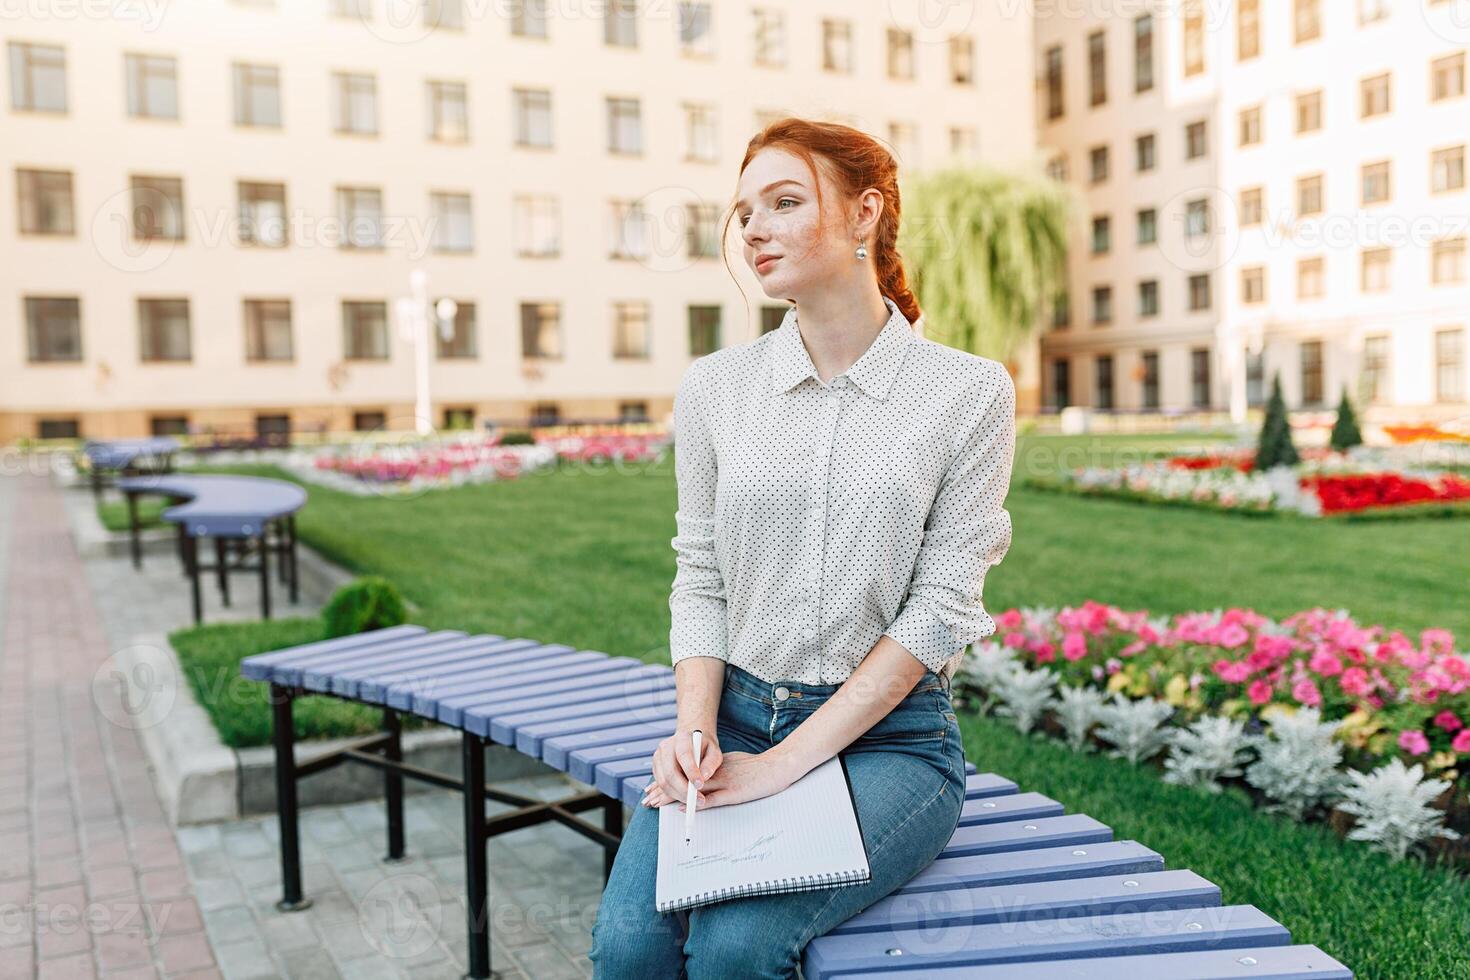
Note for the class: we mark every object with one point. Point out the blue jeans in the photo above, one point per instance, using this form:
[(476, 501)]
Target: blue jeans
[(908, 781)]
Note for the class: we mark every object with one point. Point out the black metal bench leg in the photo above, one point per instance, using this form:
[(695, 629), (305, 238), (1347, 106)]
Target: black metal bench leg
[(283, 569), (221, 571), (477, 890), (283, 734), (191, 564), (265, 577), (612, 822), (393, 783), (133, 530)]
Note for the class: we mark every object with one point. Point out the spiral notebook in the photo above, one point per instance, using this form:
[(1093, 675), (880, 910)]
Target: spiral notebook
[(804, 837)]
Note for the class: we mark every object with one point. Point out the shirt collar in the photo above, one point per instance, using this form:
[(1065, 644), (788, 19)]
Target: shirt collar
[(873, 372)]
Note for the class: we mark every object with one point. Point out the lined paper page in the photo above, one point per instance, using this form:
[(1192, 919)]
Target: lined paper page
[(804, 837)]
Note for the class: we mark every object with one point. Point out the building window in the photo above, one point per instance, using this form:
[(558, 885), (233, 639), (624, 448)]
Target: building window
[(900, 54), (1102, 234), (1148, 226), (1253, 285), (1449, 364), (58, 429), (1447, 169), (541, 331), (163, 329), (1103, 384), (703, 239), (1199, 291), (528, 18), (1250, 126), (257, 95), (1308, 112), (1097, 159), (1370, 11), (365, 330), (620, 24), (696, 33), (904, 138), (837, 46), (1143, 53), (268, 330), (1447, 77), (463, 340), (1375, 96), (769, 37), (1311, 278), (1376, 188), (537, 226), (45, 198), (449, 114), (1097, 68), (1376, 265), (354, 103), (53, 328), (704, 330), (454, 225), (1309, 195), (1196, 218), (1143, 147), (1255, 377), (1148, 298), (158, 208), (1061, 311), (1102, 305), (962, 60), (37, 77), (1447, 266), (444, 14), (772, 317), (1061, 383), (153, 86), (360, 209), (1194, 37), (631, 330), (353, 9), (1055, 103), (1373, 385), (459, 418), (545, 413), (532, 110), (1311, 368), (624, 126), (1252, 206), (1150, 379), (1247, 30), (262, 214), (368, 421), (1056, 168), (629, 229), (1199, 377), (1307, 23), (963, 142), (701, 133), (1196, 144), (632, 411), (168, 425)]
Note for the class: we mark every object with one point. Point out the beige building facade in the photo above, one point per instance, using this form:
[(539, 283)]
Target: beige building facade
[(215, 207)]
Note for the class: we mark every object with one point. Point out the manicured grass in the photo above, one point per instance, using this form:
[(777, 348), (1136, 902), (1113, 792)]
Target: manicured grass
[(114, 513)]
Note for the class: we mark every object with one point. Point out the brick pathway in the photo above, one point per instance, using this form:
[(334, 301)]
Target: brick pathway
[(92, 881)]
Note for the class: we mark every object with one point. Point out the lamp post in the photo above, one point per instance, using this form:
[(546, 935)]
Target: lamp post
[(414, 313)]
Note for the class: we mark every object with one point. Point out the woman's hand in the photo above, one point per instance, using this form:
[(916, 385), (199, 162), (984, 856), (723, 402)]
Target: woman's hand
[(743, 776), (673, 766)]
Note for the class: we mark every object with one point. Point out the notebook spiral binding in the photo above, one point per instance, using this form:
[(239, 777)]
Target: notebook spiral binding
[(795, 883)]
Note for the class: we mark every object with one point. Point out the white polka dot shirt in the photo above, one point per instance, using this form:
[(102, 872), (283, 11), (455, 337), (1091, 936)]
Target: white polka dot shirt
[(814, 518)]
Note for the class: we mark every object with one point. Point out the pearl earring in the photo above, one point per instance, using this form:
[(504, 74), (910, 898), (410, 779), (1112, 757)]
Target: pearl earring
[(862, 249)]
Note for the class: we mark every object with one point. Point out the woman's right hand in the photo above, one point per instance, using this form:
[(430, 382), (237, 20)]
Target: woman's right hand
[(673, 767)]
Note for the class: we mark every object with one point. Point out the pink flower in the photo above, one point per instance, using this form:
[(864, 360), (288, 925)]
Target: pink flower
[(1449, 721), (1232, 635), (1325, 663), (1413, 741), (1355, 681), (1259, 692), (1074, 646), (1437, 641), (1462, 741), (1009, 620), (1046, 653), (1014, 639), (1232, 671), (1113, 665), (1306, 692)]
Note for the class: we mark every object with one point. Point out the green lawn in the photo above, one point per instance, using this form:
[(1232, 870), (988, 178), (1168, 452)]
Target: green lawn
[(583, 558)]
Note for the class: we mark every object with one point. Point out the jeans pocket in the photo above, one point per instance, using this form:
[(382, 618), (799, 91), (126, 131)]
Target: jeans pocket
[(917, 718)]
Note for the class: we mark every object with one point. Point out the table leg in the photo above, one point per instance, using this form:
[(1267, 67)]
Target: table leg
[(265, 577), (291, 550), (477, 893), (133, 530), (283, 737), (191, 563), (221, 570)]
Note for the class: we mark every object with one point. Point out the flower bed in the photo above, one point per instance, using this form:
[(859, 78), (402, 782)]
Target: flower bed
[(1383, 697)]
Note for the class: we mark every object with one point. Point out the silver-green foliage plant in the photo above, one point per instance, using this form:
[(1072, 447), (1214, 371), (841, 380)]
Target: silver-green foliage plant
[(1205, 752), (984, 669), (1025, 695), (1077, 710), (1298, 764), (1393, 808), (1134, 727)]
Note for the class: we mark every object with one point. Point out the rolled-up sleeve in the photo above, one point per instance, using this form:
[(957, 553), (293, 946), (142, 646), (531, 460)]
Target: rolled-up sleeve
[(697, 598), (967, 532)]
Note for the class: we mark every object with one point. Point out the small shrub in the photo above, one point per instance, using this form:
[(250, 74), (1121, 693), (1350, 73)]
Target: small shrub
[(1135, 727), (1392, 805), (367, 603), (517, 437), (1077, 710), (1298, 764), (1210, 749)]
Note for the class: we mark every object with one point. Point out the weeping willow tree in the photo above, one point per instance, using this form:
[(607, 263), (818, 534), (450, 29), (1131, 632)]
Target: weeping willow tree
[(985, 251)]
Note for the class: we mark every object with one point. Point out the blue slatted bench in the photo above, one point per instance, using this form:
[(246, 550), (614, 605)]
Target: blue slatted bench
[(1023, 889)]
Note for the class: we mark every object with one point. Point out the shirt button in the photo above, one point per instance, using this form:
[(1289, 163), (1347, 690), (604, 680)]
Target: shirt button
[(782, 694)]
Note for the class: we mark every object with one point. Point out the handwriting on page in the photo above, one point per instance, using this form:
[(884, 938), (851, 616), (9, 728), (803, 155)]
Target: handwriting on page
[(758, 851)]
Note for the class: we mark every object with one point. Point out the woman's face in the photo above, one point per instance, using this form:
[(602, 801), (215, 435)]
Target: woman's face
[(787, 246)]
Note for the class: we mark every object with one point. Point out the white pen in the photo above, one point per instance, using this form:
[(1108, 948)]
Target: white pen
[(689, 804)]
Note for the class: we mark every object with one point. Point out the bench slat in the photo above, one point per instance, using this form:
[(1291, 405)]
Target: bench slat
[(499, 717), (582, 763), (1071, 897), (1037, 864), (343, 678), (294, 672), (554, 750), (1020, 835), (1044, 940), (1301, 962), (1010, 806), (579, 680), (258, 666), (496, 670)]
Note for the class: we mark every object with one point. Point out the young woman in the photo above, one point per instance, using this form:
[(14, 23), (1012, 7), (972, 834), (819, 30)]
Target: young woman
[(841, 490)]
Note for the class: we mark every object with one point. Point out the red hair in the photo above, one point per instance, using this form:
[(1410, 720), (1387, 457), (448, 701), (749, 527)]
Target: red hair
[(854, 161)]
